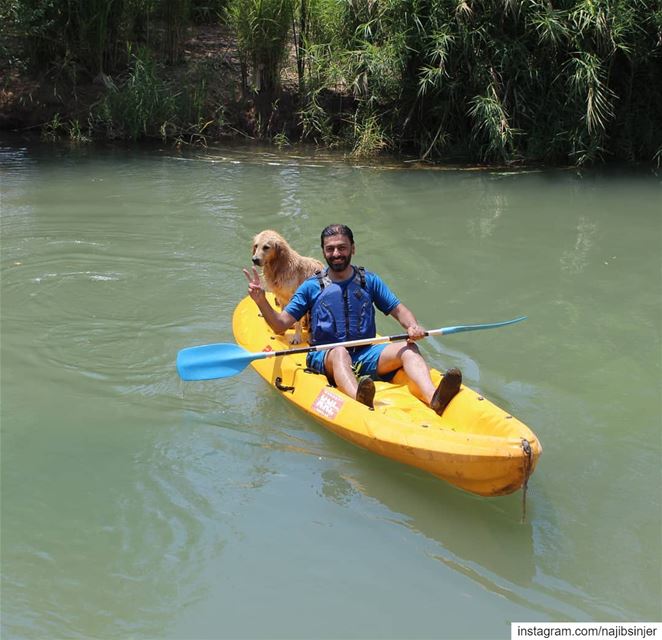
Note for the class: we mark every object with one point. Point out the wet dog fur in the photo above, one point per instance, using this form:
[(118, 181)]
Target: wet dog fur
[(283, 269)]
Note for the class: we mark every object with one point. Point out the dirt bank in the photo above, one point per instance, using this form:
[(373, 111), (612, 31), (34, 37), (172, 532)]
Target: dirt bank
[(30, 102)]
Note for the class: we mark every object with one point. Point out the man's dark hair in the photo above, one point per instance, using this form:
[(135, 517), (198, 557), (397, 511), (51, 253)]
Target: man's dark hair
[(336, 230)]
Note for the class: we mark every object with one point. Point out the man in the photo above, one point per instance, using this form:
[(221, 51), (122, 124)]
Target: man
[(341, 301)]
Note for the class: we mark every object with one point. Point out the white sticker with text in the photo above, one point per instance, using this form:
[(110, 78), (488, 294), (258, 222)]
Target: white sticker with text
[(328, 404)]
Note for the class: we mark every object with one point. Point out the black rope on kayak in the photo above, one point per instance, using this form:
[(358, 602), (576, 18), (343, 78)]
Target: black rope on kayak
[(278, 383), (528, 464)]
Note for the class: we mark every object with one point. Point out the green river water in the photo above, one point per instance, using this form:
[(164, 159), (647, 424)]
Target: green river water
[(138, 506)]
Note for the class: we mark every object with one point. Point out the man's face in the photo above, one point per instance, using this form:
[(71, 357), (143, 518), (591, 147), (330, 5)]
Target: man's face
[(338, 252)]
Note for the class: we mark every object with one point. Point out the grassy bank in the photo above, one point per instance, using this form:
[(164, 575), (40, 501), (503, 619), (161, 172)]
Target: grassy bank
[(490, 81)]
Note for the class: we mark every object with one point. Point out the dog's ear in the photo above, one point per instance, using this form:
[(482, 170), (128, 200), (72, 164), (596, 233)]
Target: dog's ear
[(278, 247)]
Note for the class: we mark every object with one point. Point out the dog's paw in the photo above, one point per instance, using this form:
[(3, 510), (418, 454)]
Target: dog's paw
[(295, 339)]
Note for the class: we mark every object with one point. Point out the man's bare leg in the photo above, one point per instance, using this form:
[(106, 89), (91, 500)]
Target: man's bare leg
[(410, 359), (338, 365)]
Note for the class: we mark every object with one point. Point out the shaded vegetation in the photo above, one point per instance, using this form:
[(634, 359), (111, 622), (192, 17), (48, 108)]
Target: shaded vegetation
[(556, 81)]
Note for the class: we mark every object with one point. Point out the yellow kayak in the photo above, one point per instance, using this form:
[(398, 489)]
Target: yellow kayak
[(474, 445)]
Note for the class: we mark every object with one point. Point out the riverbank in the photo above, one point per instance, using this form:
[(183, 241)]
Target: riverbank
[(577, 87)]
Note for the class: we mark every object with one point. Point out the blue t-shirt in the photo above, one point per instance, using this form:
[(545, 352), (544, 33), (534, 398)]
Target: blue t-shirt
[(304, 297)]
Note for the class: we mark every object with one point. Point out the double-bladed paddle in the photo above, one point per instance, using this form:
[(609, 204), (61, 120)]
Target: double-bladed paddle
[(223, 360)]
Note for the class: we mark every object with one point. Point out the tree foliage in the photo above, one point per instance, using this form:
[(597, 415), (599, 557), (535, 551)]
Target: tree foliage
[(500, 80), (95, 34)]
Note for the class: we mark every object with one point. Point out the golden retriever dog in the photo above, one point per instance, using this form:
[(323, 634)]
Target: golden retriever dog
[(283, 269)]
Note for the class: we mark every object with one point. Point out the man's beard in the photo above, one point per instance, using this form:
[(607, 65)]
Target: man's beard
[(341, 265)]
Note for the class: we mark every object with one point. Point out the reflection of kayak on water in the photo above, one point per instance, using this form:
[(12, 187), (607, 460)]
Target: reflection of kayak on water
[(489, 545), (474, 445)]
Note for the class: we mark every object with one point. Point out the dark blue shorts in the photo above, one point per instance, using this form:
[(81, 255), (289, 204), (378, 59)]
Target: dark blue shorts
[(364, 361)]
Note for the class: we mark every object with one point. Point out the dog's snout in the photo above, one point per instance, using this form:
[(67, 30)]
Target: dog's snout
[(256, 262)]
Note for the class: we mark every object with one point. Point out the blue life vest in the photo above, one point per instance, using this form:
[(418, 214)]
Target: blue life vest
[(342, 314)]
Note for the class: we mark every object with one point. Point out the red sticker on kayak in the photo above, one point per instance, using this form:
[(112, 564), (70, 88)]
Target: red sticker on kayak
[(328, 404), (267, 348)]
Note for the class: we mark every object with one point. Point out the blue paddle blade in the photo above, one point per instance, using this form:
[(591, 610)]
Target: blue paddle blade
[(210, 361), (477, 327)]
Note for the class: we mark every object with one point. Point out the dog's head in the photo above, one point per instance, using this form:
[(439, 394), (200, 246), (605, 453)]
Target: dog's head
[(267, 246)]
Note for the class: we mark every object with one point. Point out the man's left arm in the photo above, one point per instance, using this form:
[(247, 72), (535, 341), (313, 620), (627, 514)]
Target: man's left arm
[(387, 302), (408, 321)]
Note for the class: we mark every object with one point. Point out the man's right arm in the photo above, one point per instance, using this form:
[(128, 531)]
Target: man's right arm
[(278, 321)]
